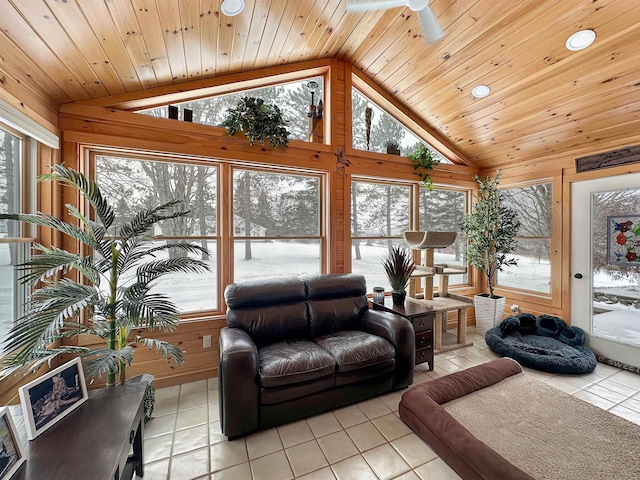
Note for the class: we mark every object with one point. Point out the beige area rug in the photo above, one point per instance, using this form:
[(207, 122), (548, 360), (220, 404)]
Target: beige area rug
[(550, 434), (449, 343)]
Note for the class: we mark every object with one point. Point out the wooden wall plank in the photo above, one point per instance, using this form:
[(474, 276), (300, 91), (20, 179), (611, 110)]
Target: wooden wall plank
[(54, 35), (125, 21), (75, 24)]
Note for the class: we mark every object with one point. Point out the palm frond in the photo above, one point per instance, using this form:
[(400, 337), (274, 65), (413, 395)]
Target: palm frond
[(50, 221), (150, 271), (149, 310), (185, 247), (33, 361), (95, 229), (135, 252), (55, 261), (145, 219), (87, 187), (106, 360), (34, 332), (166, 349)]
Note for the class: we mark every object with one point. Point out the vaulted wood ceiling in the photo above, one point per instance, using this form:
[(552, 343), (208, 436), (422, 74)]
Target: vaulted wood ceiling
[(545, 99)]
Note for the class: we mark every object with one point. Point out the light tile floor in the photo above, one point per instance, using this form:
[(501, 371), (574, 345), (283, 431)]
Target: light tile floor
[(362, 441)]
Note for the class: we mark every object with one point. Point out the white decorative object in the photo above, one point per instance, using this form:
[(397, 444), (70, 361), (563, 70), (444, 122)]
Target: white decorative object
[(11, 456), (489, 312), (52, 396)]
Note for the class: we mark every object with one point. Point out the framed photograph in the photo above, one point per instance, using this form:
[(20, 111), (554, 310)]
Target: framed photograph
[(54, 395), (11, 456)]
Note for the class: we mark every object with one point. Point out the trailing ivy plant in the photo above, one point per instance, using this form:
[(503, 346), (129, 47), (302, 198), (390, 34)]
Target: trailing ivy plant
[(260, 122), (490, 229), (107, 292), (423, 163)]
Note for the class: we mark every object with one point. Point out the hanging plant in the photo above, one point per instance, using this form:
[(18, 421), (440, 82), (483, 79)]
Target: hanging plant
[(423, 163), (260, 122)]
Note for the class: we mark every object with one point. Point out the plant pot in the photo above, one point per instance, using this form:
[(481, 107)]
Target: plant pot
[(489, 311), (393, 151), (398, 297), (149, 399)]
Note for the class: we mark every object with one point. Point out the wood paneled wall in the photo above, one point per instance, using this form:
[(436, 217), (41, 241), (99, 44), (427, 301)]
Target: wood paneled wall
[(87, 125)]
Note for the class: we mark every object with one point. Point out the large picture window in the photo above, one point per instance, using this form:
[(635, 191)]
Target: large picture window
[(278, 226), (14, 244), (379, 218), (534, 204), (131, 184)]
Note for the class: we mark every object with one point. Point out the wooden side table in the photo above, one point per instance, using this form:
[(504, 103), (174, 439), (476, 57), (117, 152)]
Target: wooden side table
[(421, 317), (93, 442)]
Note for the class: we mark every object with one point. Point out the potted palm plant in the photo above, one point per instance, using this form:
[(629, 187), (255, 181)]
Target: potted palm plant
[(490, 228), (258, 121), (107, 292), (398, 265)]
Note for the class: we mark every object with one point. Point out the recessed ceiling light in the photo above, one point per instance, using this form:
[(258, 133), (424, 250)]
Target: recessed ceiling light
[(581, 40), (232, 8), (480, 91)]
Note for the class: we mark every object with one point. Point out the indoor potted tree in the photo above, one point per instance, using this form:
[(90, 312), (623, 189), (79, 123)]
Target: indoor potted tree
[(107, 292), (423, 163), (398, 265), (490, 228), (260, 122)]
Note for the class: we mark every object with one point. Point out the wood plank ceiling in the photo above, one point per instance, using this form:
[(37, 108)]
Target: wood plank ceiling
[(545, 99)]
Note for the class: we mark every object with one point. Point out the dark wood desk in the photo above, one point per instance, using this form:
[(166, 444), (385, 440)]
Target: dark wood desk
[(421, 317), (93, 442)]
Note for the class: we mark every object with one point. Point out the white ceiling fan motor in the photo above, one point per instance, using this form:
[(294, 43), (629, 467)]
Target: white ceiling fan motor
[(430, 25)]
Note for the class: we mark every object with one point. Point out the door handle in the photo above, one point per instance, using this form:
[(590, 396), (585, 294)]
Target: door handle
[(578, 275)]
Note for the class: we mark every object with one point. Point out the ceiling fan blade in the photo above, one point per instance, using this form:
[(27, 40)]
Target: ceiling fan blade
[(430, 25), (373, 5)]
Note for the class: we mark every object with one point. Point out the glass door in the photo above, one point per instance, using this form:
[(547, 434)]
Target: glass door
[(605, 265)]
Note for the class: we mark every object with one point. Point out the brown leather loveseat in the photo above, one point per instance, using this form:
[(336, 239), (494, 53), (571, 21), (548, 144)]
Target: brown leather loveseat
[(295, 347)]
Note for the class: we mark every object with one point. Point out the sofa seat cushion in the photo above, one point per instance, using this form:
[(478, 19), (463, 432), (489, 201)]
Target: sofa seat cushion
[(355, 350), (293, 361)]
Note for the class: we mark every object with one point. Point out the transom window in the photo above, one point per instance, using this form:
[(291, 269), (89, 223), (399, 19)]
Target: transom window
[(292, 98), (383, 128)]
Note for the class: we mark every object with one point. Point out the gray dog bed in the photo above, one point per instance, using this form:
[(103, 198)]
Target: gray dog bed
[(545, 343)]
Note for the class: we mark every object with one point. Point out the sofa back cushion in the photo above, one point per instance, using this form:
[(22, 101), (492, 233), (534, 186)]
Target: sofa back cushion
[(336, 302), (269, 310)]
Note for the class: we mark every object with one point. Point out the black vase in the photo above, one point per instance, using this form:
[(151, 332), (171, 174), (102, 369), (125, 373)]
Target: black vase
[(398, 297)]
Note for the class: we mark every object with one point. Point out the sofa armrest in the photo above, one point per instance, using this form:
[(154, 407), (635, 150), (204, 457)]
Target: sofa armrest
[(399, 332), (237, 382)]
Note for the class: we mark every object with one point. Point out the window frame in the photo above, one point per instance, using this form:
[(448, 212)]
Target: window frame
[(414, 222), (554, 297), (323, 212), (90, 167), (25, 165)]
